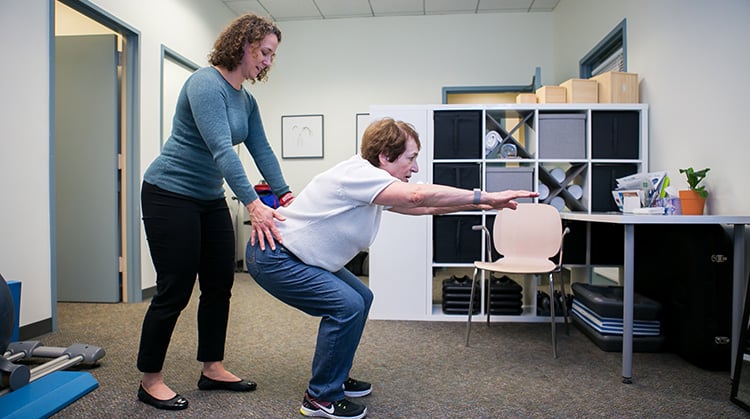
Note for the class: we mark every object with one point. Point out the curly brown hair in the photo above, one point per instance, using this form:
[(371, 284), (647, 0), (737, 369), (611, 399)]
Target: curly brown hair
[(389, 137), (229, 47)]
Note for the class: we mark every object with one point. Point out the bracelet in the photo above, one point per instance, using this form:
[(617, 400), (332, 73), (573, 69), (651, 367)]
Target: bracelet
[(477, 195)]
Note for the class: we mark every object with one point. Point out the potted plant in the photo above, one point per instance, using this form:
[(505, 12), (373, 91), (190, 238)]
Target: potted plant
[(693, 199)]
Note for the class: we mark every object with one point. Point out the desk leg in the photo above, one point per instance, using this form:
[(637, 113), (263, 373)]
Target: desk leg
[(627, 315), (738, 288)]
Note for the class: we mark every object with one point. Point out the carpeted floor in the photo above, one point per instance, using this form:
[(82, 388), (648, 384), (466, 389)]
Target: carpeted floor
[(418, 369)]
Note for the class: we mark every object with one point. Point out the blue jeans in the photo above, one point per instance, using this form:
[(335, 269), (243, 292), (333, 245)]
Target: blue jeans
[(340, 299)]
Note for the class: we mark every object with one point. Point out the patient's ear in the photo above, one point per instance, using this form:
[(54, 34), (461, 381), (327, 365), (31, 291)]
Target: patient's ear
[(383, 159)]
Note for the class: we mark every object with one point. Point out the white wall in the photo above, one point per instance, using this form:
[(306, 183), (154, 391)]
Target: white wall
[(25, 153), (691, 57)]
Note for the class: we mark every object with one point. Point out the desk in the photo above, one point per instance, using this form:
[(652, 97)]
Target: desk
[(628, 222)]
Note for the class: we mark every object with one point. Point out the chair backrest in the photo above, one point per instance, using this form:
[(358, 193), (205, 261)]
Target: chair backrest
[(531, 230)]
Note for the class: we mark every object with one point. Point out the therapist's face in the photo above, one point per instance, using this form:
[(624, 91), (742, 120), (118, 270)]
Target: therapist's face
[(405, 164), (259, 56)]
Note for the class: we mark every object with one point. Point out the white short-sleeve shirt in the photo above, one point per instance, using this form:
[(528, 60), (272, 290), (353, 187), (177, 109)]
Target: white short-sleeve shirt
[(334, 217)]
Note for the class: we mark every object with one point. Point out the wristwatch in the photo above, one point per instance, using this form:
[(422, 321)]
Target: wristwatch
[(477, 195)]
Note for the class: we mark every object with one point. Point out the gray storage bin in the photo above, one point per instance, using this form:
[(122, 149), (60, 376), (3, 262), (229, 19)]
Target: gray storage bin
[(562, 136), (500, 178)]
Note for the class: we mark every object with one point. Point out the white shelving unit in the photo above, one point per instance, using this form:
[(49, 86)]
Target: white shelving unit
[(406, 268)]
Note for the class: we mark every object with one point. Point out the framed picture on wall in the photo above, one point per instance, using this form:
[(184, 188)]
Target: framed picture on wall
[(302, 136), (362, 121)]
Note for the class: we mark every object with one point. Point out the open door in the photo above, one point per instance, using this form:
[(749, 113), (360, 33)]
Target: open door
[(86, 168)]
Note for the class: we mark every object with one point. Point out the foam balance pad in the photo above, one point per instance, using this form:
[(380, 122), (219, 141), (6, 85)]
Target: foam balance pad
[(48, 395)]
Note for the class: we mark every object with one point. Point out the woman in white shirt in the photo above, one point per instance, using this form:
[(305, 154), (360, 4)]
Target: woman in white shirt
[(335, 217)]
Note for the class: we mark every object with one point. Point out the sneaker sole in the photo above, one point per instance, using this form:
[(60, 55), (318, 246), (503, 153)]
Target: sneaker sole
[(321, 414), (362, 393)]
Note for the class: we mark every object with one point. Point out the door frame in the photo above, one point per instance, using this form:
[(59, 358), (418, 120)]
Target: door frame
[(130, 149), (170, 55)]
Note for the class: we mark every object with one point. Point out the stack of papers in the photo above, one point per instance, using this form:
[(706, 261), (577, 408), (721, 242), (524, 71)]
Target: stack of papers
[(651, 186)]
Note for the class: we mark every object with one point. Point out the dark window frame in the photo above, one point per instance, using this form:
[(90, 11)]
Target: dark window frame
[(614, 41)]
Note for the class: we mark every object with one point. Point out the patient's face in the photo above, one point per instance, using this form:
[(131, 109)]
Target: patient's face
[(405, 164)]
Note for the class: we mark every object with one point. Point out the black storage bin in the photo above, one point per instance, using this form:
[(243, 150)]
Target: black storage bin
[(615, 134), (604, 180), (453, 239), (459, 175), (606, 243), (688, 269), (506, 296), (458, 134), (457, 294)]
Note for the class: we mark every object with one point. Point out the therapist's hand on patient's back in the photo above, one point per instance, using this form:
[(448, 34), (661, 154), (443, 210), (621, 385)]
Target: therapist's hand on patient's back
[(263, 225)]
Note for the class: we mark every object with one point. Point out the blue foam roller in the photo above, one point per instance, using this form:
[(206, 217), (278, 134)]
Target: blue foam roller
[(48, 395)]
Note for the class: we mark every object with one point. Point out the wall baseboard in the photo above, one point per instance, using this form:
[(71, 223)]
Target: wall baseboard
[(34, 330)]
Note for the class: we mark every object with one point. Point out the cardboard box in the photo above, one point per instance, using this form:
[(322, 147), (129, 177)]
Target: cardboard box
[(526, 98), (581, 91), (617, 87), (551, 94)]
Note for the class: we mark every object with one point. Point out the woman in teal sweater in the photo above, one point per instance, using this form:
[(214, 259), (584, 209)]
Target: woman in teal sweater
[(187, 221)]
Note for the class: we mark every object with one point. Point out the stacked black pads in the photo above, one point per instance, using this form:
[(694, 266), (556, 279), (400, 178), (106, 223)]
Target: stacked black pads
[(457, 294), (506, 296)]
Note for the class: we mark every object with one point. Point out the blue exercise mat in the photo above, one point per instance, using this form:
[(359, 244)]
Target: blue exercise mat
[(46, 396)]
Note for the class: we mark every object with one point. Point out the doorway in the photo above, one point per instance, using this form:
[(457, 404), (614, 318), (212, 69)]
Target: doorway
[(96, 231)]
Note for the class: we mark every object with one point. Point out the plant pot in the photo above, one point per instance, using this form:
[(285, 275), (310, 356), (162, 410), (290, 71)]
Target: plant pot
[(691, 202)]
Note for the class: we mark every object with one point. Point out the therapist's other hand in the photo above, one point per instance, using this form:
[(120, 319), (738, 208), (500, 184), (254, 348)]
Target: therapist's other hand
[(263, 225)]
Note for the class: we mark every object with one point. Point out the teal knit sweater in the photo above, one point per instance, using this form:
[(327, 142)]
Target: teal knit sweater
[(210, 118)]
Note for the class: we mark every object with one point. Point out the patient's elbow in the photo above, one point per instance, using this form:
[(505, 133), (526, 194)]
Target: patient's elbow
[(417, 198)]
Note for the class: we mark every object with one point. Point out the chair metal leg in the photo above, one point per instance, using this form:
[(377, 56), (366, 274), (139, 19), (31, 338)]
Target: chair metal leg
[(552, 314), (471, 305), (487, 298), (565, 304)]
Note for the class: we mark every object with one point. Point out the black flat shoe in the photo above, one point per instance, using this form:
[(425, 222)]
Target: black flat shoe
[(175, 403), (205, 383)]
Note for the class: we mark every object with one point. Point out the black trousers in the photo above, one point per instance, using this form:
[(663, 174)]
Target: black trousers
[(187, 237)]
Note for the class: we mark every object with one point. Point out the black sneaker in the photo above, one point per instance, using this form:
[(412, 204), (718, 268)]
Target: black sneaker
[(354, 388), (342, 409)]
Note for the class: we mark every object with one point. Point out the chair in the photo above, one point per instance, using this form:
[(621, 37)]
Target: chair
[(527, 238)]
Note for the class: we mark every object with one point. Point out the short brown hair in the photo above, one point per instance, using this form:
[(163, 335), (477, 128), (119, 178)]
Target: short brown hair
[(229, 47), (389, 137)]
